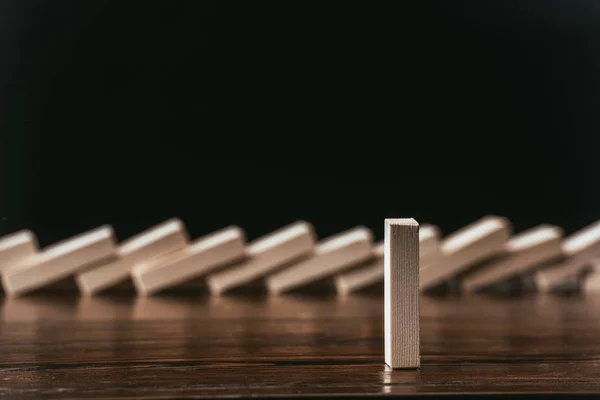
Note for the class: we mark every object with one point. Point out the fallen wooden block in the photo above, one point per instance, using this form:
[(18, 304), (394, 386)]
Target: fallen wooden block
[(60, 261), (157, 241), (523, 252), (579, 249), (401, 293), (591, 282), (202, 256), (15, 248), (265, 255), (373, 272), (332, 255), (466, 247)]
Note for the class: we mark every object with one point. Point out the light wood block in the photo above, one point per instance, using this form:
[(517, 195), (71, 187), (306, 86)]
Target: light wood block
[(578, 250), (363, 276), (523, 252), (16, 247), (60, 261), (591, 282), (157, 241), (466, 247), (331, 256), (401, 293), (373, 272), (202, 256), (265, 255)]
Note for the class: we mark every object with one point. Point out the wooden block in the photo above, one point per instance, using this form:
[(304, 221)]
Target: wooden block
[(372, 273), (470, 245), (363, 276), (59, 261), (17, 247), (401, 293), (265, 255), (578, 250), (332, 255), (157, 241), (524, 251), (591, 282), (202, 256)]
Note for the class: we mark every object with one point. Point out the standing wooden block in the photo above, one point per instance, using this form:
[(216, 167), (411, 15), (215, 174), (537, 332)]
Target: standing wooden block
[(15, 248), (579, 250), (401, 293), (474, 243), (332, 255), (373, 272), (525, 251), (202, 256), (157, 241), (265, 255), (59, 261)]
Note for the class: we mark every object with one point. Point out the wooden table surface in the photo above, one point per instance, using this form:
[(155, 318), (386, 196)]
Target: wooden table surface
[(122, 347)]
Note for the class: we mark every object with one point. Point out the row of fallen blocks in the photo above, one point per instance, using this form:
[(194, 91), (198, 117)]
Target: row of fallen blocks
[(478, 257)]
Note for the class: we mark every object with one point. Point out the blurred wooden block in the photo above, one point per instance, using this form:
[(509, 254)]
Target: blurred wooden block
[(401, 294), (578, 249), (59, 261), (363, 276), (372, 273), (332, 255), (15, 248), (523, 252), (265, 255), (591, 282), (155, 242), (202, 256), (472, 244)]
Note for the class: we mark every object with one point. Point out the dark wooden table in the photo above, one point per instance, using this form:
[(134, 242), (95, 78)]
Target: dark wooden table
[(121, 347)]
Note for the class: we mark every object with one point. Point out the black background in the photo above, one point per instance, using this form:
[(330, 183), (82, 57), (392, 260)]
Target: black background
[(129, 113)]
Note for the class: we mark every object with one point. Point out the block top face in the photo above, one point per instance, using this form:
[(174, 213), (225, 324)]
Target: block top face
[(151, 235), (281, 236), (401, 221), (343, 239), (474, 232), (534, 237), (17, 239), (583, 239), (66, 246)]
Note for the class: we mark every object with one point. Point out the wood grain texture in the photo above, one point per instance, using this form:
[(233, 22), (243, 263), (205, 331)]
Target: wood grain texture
[(373, 272), (168, 347), (401, 293)]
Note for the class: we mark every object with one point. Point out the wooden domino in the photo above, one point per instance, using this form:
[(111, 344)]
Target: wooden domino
[(474, 243), (373, 273), (591, 282), (193, 261), (523, 252), (331, 256), (148, 245), (265, 255), (578, 249), (17, 247), (401, 293), (59, 261)]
